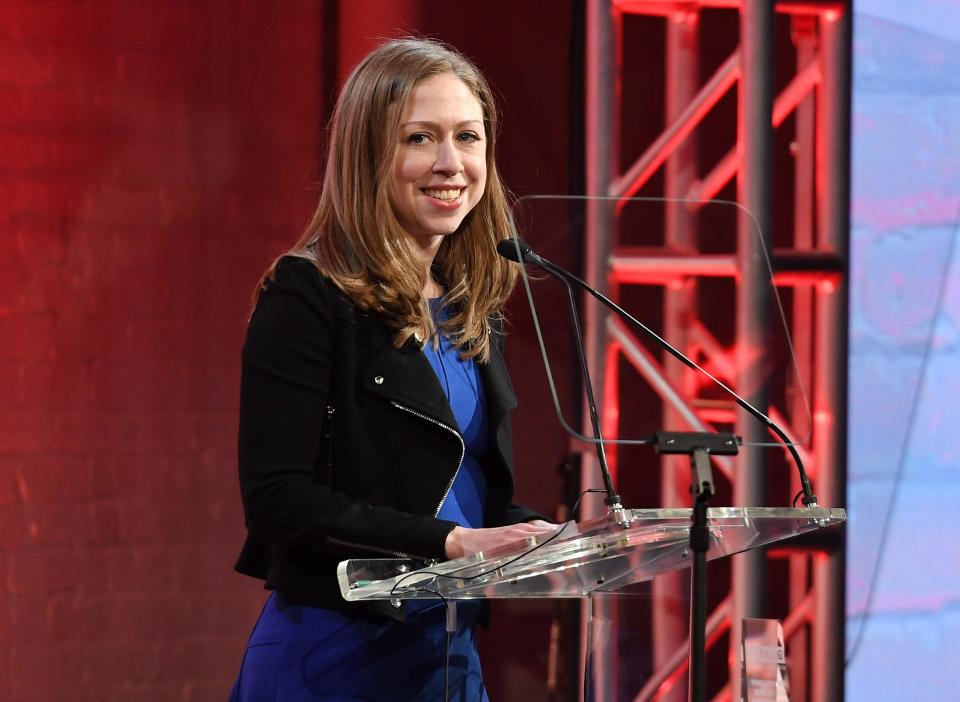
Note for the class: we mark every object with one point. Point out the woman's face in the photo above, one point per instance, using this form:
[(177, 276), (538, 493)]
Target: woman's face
[(439, 166)]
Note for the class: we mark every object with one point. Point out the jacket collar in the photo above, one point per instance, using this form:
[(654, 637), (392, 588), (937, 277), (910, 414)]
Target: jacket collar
[(405, 376)]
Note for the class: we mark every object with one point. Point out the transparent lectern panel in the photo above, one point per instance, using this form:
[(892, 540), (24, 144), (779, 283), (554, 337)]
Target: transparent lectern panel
[(695, 275), (579, 560)]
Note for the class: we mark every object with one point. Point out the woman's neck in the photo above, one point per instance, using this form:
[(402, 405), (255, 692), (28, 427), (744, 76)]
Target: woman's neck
[(431, 288)]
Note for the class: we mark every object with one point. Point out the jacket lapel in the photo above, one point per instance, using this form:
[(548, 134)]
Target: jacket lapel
[(405, 376), (401, 375), (500, 397)]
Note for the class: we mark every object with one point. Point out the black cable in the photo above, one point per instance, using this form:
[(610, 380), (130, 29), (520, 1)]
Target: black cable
[(449, 634), (446, 667), (393, 590), (588, 663)]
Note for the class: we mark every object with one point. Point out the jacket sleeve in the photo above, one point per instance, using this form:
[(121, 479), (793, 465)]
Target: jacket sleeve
[(287, 365), (516, 514)]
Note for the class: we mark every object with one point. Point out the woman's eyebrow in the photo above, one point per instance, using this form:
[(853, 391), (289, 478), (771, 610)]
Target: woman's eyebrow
[(427, 123)]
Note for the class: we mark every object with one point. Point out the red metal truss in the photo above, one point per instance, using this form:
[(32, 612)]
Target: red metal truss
[(813, 265)]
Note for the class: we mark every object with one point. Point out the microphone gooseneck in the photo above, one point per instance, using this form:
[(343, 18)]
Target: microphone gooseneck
[(516, 249), (513, 250)]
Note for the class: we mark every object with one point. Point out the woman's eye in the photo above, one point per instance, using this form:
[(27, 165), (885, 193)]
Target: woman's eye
[(417, 139), (468, 136)]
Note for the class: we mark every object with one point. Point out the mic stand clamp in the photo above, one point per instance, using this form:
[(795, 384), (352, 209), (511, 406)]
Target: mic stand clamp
[(699, 446), (619, 516)]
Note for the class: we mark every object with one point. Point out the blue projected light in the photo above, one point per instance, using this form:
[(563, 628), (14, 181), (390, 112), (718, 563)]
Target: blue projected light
[(903, 599)]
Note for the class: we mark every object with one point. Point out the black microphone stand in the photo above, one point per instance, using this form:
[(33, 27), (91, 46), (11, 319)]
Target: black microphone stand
[(519, 251), (613, 499), (699, 446)]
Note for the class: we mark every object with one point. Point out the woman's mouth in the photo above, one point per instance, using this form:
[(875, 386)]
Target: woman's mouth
[(443, 194)]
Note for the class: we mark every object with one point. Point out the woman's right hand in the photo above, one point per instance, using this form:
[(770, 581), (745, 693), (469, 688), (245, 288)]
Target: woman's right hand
[(462, 541)]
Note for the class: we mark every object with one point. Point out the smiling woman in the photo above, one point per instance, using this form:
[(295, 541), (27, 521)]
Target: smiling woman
[(440, 168), (375, 403), (414, 115)]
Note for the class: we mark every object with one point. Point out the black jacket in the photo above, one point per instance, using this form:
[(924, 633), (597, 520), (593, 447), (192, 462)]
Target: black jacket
[(347, 444)]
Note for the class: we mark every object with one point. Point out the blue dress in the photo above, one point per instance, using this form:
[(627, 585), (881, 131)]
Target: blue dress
[(306, 654)]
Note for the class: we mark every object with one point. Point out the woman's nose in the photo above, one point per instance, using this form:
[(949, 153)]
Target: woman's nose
[(448, 158)]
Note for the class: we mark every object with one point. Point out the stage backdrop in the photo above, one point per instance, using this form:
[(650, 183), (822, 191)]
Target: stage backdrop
[(904, 554), (154, 157)]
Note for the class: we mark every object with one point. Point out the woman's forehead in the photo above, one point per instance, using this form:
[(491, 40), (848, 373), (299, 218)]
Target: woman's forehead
[(443, 95)]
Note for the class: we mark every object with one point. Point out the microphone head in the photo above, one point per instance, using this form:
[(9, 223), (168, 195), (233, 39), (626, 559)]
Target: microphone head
[(508, 249)]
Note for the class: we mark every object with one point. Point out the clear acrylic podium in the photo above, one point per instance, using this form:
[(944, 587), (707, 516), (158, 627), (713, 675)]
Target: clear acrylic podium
[(595, 556)]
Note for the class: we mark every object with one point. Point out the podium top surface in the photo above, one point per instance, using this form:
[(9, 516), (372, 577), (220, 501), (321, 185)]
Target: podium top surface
[(604, 554)]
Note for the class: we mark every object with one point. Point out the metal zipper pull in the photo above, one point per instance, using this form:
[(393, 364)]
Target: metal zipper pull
[(328, 435), (328, 424)]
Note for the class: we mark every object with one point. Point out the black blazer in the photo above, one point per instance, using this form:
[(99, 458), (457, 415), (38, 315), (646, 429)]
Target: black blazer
[(347, 444)]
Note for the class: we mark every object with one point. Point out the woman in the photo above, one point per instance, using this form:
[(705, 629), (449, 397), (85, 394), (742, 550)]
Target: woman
[(375, 401)]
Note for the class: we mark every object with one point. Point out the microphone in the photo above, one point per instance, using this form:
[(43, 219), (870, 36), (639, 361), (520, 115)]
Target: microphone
[(509, 249)]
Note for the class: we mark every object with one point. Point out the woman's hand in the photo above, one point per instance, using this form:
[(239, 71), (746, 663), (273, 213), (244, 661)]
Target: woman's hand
[(466, 542)]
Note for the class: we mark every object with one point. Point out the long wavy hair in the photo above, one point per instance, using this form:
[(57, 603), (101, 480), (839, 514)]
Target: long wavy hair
[(355, 238)]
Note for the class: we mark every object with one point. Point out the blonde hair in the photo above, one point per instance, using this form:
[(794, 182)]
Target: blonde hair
[(355, 238)]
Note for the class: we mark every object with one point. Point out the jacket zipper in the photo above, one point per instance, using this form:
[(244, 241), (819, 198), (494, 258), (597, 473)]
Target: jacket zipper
[(463, 452), (398, 554), (463, 448), (328, 435)]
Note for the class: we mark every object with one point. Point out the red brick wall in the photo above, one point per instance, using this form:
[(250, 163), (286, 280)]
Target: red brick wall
[(153, 156)]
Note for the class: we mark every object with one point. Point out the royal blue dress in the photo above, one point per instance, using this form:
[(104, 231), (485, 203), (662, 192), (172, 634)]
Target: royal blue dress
[(306, 654)]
